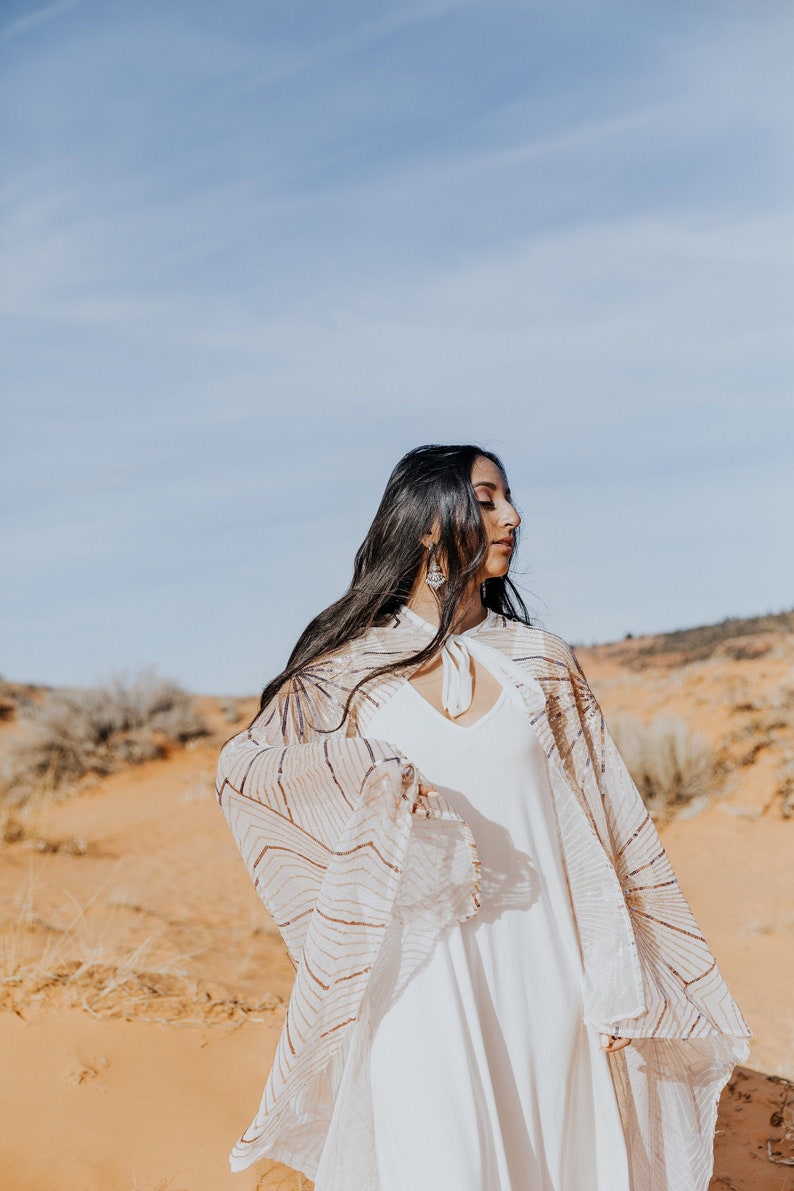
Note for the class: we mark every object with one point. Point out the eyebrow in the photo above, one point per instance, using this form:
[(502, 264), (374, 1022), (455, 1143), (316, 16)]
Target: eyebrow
[(488, 484)]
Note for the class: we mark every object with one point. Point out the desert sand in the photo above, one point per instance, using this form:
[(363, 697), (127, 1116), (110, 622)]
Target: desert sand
[(144, 985)]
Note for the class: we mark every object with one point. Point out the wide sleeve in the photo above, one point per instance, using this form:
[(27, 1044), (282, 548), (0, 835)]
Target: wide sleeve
[(688, 1032), (325, 821), (684, 991)]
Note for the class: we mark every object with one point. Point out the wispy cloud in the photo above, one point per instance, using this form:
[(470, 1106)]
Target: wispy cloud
[(274, 65), (33, 20), (219, 295), (400, 18)]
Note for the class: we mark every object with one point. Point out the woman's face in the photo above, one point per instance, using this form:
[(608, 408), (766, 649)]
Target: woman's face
[(500, 520)]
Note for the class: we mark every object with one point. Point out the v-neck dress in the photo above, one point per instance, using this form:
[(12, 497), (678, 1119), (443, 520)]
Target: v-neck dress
[(484, 1076)]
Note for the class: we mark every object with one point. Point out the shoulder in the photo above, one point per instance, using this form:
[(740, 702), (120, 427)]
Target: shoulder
[(316, 698), (552, 662), (532, 644), (309, 702)]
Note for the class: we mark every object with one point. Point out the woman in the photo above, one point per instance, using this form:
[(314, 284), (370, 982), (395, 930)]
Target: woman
[(499, 985)]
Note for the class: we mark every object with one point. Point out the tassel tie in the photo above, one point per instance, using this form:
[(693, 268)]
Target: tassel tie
[(456, 688)]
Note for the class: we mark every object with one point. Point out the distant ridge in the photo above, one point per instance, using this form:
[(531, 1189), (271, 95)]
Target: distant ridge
[(735, 636)]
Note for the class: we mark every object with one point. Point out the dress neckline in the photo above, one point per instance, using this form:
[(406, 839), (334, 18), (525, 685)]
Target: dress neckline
[(457, 686), (495, 706)]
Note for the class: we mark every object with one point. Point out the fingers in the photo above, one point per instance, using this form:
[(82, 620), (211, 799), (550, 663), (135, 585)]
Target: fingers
[(424, 792), (611, 1042)]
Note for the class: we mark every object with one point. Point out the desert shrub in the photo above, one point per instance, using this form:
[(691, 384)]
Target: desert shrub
[(99, 730), (670, 764), (7, 703), (703, 641), (230, 709), (13, 697)]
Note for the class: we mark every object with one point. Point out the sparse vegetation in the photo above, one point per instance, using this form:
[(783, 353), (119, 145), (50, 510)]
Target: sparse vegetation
[(740, 638), (670, 764), (123, 987), (703, 640), (75, 732), (279, 1178), (7, 703), (51, 960), (13, 697), (230, 709)]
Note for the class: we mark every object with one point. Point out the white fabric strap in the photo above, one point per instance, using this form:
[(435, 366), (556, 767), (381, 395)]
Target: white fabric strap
[(456, 688)]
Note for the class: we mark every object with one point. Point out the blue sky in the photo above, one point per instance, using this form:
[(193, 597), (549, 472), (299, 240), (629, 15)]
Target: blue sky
[(253, 252)]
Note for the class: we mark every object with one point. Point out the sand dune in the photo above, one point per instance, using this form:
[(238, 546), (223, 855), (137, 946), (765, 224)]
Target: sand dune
[(144, 986)]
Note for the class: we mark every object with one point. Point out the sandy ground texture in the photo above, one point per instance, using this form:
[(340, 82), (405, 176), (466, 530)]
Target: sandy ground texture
[(143, 985)]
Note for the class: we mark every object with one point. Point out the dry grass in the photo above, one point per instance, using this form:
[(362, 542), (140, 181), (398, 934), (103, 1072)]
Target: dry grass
[(28, 823), (275, 1178), (735, 638), (45, 963), (15, 696), (96, 731), (278, 1178), (670, 764), (230, 709), (129, 989), (725, 636), (765, 729)]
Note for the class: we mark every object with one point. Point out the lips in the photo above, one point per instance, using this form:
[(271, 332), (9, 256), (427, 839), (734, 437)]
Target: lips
[(504, 542)]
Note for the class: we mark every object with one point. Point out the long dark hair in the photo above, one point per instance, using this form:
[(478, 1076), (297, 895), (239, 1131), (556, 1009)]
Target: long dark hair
[(431, 482)]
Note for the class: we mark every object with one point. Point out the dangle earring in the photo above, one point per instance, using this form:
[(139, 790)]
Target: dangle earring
[(482, 590), (435, 577)]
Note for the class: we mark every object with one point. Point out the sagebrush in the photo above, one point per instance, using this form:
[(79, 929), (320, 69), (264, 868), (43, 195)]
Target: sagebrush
[(75, 732), (669, 762)]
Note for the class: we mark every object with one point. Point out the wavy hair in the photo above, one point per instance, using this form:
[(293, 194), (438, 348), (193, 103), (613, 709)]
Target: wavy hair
[(431, 483)]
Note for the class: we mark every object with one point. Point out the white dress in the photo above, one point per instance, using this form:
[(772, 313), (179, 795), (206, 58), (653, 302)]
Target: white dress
[(484, 1076)]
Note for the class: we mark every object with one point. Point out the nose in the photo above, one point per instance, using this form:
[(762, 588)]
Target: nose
[(511, 516)]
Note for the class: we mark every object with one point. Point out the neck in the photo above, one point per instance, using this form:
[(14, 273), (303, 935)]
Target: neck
[(471, 610)]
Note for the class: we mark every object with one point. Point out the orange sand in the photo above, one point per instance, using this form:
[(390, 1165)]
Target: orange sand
[(144, 984)]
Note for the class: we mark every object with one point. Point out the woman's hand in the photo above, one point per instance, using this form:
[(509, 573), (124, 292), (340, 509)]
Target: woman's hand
[(424, 792), (611, 1042)]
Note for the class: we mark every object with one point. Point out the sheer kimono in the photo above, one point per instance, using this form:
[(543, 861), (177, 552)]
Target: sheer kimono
[(341, 845)]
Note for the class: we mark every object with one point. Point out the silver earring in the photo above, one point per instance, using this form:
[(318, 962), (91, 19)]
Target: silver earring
[(435, 577)]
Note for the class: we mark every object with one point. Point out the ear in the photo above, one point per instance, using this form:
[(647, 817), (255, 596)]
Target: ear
[(431, 537)]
